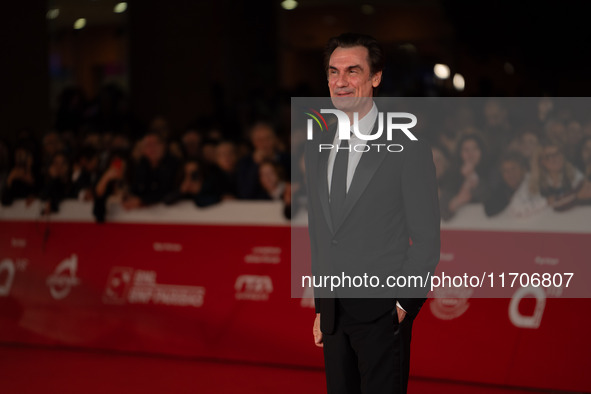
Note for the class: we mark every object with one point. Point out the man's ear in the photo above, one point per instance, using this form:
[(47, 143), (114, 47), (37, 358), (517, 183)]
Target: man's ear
[(376, 79)]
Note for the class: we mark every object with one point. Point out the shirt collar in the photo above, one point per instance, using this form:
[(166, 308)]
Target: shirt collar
[(366, 123)]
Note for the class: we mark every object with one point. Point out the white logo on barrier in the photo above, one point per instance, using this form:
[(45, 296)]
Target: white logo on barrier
[(253, 287), (167, 247), (18, 242), (118, 284), (535, 319), (446, 256), (546, 260), (126, 284), (450, 303), (308, 298), (6, 266), (264, 255), (63, 278)]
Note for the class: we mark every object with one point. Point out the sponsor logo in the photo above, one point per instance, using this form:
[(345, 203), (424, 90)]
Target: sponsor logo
[(18, 242), (446, 256), (128, 285), (64, 277), (167, 247), (7, 271), (450, 303), (253, 287), (546, 260), (523, 321), (264, 255), (118, 285)]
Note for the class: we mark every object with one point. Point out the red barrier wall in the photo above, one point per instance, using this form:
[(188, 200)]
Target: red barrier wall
[(223, 291)]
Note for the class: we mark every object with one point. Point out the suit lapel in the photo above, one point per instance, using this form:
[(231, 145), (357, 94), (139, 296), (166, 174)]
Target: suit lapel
[(322, 177)]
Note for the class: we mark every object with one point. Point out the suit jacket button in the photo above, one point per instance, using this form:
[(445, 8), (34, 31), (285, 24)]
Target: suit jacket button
[(334, 242)]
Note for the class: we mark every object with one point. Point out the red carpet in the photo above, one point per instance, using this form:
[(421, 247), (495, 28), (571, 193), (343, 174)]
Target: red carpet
[(25, 370)]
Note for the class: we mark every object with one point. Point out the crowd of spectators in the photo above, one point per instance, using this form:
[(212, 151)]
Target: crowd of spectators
[(483, 152), (513, 157), (91, 155), (513, 162)]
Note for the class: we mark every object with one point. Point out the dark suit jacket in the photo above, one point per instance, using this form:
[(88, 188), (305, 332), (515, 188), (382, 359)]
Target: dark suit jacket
[(392, 197)]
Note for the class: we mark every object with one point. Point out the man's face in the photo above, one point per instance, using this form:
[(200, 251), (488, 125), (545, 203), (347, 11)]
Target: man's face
[(513, 173), (152, 148), (59, 166), (226, 156), (556, 132), (552, 159), (495, 113), (470, 152), (263, 138), (529, 144), (349, 77), (268, 177), (191, 142)]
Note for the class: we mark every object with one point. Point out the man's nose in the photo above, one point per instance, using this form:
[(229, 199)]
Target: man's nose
[(342, 80)]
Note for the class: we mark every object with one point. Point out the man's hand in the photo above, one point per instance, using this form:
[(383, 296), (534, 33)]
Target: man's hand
[(401, 314), (468, 169), (463, 197), (20, 174), (316, 331)]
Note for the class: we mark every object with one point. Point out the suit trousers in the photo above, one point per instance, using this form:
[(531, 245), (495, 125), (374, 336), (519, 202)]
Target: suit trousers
[(367, 357)]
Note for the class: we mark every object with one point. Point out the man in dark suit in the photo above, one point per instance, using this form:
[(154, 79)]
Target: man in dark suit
[(363, 209)]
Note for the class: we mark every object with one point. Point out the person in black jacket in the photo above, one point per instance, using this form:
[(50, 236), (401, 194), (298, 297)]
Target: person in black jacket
[(112, 182), (84, 174), (265, 148), (224, 171), (197, 185), (513, 168), (469, 180), (58, 185), (154, 176)]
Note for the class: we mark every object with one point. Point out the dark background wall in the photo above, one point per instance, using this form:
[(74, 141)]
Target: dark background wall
[(24, 72), (187, 59), (196, 58)]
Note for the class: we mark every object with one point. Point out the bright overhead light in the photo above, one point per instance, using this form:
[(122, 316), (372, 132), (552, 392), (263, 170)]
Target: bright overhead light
[(53, 13), (441, 71), (289, 4), (120, 7), (80, 23), (459, 82)]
